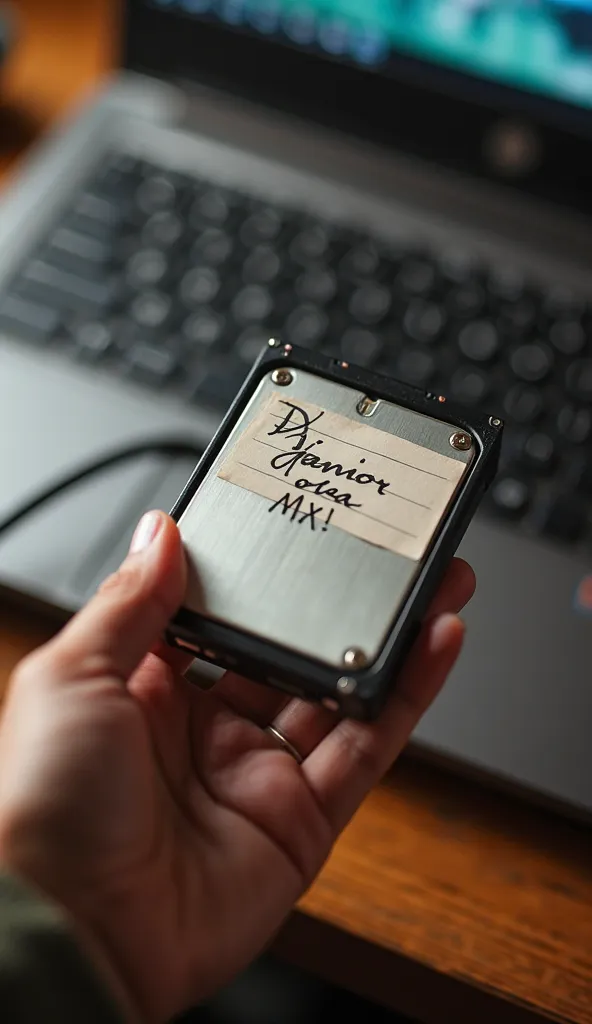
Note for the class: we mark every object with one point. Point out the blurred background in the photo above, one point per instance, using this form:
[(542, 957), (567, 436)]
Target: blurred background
[(272, 992)]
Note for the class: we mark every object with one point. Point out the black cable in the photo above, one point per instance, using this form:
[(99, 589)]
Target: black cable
[(171, 447)]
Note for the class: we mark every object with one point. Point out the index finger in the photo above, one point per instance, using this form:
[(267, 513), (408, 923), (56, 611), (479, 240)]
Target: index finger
[(261, 703), (354, 756)]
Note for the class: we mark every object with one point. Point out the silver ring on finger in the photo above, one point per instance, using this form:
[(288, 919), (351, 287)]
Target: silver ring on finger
[(284, 743)]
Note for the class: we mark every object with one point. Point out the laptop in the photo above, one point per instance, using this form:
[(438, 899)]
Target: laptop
[(400, 184)]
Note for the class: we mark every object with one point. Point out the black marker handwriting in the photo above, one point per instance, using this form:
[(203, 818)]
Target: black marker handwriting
[(286, 461), (323, 489), (287, 504), (296, 423)]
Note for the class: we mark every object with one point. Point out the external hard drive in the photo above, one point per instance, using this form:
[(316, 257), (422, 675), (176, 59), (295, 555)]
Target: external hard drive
[(319, 524)]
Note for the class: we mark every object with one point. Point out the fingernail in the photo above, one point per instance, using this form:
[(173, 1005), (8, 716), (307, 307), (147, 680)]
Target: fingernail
[(145, 533)]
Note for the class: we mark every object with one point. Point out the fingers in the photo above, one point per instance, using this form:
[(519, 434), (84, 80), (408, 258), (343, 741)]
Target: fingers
[(125, 619), (174, 657), (251, 700), (165, 701), (355, 755), (456, 589), (305, 725), (263, 705)]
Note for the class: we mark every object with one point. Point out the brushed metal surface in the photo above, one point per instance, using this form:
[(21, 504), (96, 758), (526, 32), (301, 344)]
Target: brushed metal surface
[(316, 593)]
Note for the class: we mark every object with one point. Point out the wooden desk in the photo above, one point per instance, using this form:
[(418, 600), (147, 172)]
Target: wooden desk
[(442, 900)]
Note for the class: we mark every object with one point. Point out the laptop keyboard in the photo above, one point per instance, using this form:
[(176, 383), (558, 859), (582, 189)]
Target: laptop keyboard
[(176, 283)]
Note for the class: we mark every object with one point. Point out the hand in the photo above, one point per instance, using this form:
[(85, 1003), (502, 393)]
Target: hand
[(164, 819)]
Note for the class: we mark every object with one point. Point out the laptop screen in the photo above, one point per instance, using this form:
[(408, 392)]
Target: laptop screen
[(542, 47)]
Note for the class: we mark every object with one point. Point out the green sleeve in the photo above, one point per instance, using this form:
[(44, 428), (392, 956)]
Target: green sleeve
[(44, 975)]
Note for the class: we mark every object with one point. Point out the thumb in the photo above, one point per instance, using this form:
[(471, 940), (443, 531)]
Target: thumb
[(121, 624)]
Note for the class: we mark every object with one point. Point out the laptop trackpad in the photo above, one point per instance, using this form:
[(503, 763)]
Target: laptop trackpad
[(62, 553), (162, 484)]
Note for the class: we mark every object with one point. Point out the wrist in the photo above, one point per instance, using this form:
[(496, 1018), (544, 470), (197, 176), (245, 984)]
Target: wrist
[(77, 949), (106, 971)]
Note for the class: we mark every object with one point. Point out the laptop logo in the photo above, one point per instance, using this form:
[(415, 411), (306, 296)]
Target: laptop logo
[(583, 597)]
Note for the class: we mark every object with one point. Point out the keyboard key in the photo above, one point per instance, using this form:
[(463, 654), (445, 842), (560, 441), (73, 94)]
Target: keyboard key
[(319, 284), (360, 347), (415, 366), (539, 453), (151, 364), (523, 404), (124, 332), (579, 380), (511, 496), (532, 363), (213, 207), (370, 303), (424, 321), (561, 302), (94, 210), (505, 282), (29, 319), (469, 385), (262, 226), (157, 193), (101, 230), (151, 310), (479, 341), (203, 329), (118, 173), (517, 317), (568, 337), (564, 519), (252, 303), (93, 340), (250, 344), (199, 287), (262, 266), (458, 267), (162, 230), (146, 269), (74, 249), (213, 246), (306, 326), (62, 289), (310, 245), (360, 262), (575, 424), (416, 277), (465, 300)]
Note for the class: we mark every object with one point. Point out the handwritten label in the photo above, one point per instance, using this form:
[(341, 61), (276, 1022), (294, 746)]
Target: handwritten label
[(324, 471)]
